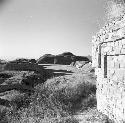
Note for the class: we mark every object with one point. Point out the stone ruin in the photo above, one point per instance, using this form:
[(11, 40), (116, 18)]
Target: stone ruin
[(108, 58)]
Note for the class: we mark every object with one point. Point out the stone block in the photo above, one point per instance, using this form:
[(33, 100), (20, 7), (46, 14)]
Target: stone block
[(110, 62), (123, 41), (114, 78), (117, 64), (121, 58), (120, 44), (112, 72), (116, 44), (116, 27), (120, 74), (122, 51), (117, 50), (112, 65), (107, 49), (123, 46), (112, 44), (122, 64), (106, 36), (121, 32), (114, 37)]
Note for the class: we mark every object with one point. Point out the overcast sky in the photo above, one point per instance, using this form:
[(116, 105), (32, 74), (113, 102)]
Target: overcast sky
[(31, 28)]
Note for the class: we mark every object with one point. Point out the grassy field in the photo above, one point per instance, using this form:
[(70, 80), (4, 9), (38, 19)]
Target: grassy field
[(69, 96)]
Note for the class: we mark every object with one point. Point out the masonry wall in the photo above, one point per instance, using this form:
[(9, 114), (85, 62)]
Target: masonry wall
[(108, 58)]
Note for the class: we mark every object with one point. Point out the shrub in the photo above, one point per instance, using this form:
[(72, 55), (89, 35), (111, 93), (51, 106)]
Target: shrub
[(56, 101)]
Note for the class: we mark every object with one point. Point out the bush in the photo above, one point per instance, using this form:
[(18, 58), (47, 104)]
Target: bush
[(56, 101)]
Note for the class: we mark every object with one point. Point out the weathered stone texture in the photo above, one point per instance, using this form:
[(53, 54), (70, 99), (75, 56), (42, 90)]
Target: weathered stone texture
[(108, 58)]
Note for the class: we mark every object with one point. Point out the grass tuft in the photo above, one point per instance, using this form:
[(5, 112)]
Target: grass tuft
[(55, 101)]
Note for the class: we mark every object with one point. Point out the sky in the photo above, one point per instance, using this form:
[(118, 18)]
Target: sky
[(32, 28)]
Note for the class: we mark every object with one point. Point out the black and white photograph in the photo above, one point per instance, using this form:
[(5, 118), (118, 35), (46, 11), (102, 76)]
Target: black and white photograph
[(62, 61)]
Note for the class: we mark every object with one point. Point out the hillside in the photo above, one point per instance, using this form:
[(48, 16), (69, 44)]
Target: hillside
[(64, 94), (65, 58)]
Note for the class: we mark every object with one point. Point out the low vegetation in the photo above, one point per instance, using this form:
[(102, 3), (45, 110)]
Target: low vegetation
[(58, 99), (55, 101)]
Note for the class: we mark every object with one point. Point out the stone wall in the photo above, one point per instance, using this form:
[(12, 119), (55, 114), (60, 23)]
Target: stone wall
[(108, 58)]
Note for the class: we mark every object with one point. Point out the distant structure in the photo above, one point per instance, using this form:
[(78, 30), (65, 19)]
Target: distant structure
[(108, 58)]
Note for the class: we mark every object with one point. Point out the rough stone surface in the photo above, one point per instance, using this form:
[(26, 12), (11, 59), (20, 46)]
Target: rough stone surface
[(108, 58)]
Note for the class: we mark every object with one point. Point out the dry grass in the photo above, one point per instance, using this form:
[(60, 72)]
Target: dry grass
[(59, 100), (56, 101)]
